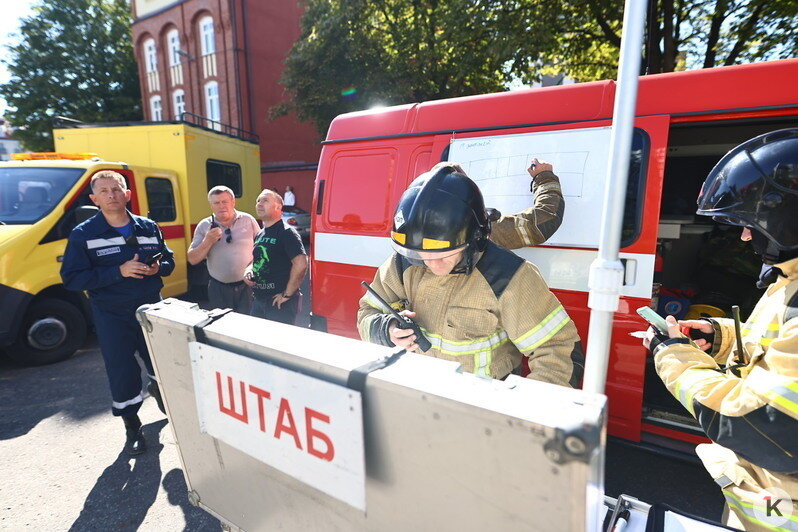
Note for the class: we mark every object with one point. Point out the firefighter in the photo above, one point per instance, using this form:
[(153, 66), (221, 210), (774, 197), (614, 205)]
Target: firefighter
[(478, 303), (747, 402), (115, 257)]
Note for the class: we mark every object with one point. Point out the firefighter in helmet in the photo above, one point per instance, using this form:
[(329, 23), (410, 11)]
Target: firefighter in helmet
[(747, 402), (477, 303)]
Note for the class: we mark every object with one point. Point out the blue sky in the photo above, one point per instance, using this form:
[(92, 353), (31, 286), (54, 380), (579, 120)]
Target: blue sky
[(13, 11)]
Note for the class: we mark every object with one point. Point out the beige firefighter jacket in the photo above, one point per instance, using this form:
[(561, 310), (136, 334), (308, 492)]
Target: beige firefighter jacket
[(536, 224), (751, 414), (485, 320)]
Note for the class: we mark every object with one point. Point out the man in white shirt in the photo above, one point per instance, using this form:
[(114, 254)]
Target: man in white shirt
[(289, 200), (225, 240)]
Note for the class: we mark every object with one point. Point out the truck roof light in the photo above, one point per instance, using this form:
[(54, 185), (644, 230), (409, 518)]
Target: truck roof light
[(51, 155)]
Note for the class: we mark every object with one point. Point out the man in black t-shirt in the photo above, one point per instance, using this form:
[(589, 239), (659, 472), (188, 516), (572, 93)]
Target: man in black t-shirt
[(279, 263)]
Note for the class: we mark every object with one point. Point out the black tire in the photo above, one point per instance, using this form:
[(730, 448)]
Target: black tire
[(63, 315)]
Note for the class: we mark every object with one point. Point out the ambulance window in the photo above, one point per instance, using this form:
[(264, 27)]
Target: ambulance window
[(360, 189), (161, 198), (224, 173), (635, 189)]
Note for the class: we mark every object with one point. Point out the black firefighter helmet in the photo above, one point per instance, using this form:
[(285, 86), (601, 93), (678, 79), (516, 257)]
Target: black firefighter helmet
[(755, 185), (441, 212)]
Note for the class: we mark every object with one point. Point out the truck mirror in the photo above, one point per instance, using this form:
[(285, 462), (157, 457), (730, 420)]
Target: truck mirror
[(84, 212)]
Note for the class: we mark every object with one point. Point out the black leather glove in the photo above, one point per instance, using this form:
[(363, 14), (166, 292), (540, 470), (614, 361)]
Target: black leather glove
[(659, 341)]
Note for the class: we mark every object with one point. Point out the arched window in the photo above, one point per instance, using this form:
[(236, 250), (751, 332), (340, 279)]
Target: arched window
[(212, 108), (179, 103), (156, 110), (173, 41), (207, 36), (150, 56)]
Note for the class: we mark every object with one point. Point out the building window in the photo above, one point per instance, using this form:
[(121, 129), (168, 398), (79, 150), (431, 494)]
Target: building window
[(224, 173), (207, 37), (173, 40), (179, 103), (212, 108), (150, 57), (156, 113)]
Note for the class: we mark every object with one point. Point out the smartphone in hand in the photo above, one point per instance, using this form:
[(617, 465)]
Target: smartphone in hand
[(154, 259)]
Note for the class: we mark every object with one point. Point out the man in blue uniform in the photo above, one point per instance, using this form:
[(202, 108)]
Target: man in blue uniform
[(119, 259)]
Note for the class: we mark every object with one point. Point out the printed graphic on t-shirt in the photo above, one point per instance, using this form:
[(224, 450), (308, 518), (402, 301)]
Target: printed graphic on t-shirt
[(275, 246)]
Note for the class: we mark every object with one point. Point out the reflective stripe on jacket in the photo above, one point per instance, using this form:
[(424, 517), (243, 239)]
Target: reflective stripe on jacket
[(485, 320), (752, 416)]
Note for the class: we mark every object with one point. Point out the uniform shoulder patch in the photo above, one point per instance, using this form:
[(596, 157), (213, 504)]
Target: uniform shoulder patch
[(498, 265)]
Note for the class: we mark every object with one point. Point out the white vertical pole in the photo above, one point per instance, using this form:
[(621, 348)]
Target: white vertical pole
[(606, 272)]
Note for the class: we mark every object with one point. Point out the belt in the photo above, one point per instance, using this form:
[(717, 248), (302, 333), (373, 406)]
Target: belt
[(234, 283)]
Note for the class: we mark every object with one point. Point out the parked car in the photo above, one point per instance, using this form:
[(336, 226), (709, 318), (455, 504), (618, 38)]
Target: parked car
[(299, 219)]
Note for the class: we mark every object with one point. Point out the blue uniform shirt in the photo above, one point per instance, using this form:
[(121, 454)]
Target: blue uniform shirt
[(95, 251)]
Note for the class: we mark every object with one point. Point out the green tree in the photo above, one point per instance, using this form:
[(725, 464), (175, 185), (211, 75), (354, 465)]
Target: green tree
[(354, 54), (682, 34), (75, 59)]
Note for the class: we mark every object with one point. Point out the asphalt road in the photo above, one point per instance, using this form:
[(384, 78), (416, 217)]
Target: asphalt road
[(62, 466)]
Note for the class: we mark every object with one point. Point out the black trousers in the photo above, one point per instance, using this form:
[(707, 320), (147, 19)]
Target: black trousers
[(263, 308), (237, 296)]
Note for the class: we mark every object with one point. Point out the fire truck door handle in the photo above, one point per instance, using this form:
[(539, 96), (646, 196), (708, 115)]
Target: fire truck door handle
[(629, 271)]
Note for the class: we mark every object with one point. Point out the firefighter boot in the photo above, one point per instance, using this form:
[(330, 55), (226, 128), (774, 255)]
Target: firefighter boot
[(155, 393), (134, 442)]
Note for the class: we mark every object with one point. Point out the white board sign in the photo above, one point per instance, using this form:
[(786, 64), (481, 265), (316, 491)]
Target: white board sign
[(307, 428), (498, 165)]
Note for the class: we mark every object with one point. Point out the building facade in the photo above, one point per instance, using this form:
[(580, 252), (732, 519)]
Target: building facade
[(222, 60)]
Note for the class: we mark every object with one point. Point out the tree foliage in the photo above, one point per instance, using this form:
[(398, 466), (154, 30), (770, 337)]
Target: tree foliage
[(75, 59), (354, 54), (681, 34)]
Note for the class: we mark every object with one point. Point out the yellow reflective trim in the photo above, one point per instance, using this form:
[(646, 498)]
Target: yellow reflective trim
[(400, 238), (431, 243), (774, 326), (685, 386), (747, 510), (542, 332), (450, 347), (765, 342)]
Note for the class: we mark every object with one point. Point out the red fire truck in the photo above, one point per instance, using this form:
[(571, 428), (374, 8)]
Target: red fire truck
[(685, 123)]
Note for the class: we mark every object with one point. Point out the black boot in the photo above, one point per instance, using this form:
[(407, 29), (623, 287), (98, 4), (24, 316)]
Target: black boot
[(134, 442), (155, 393)]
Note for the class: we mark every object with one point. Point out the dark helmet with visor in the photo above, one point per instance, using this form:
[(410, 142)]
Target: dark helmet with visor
[(755, 185), (440, 213)]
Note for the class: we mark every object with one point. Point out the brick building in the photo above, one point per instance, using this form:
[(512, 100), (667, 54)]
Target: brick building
[(222, 60)]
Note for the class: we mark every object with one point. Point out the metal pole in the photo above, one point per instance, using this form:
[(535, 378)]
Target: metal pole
[(606, 272)]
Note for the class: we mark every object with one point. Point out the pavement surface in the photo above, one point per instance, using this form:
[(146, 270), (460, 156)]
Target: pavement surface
[(61, 460)]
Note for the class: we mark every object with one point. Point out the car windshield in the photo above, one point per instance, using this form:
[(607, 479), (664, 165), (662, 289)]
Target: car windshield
[(28, 194)]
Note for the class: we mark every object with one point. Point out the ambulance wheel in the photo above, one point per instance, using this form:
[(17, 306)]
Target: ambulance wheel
[(52, 331)]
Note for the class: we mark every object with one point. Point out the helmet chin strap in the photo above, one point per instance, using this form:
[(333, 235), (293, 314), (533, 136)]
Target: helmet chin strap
[(766, 249)]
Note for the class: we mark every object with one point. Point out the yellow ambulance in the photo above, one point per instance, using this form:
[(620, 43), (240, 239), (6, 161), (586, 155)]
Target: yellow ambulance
[(169, 168)]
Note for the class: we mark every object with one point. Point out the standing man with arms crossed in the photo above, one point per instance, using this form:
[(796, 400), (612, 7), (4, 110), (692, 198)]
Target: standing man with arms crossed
[(114, 256), (225, 240), (747, 402), (279, 263)]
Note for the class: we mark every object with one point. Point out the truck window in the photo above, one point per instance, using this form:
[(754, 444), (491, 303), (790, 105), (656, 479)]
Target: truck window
[(224, 173), (28, 194), (633, 211), (161, 198), (360, 196)]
